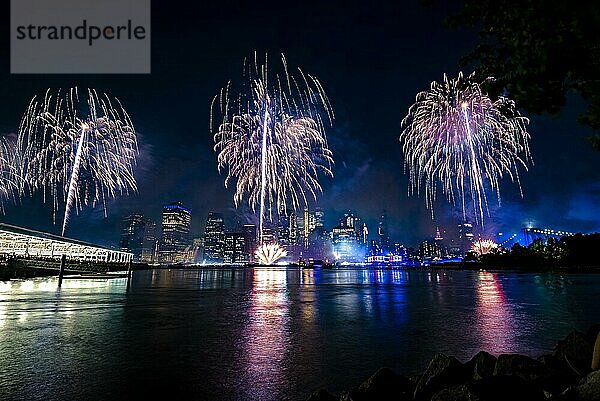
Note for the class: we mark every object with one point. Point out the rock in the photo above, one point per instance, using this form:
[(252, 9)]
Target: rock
[(443, 372), (576, 351), (588, 388), (592, 333), (481, 365), (556, 374), (383, 385), (322, 395), (519, 365), (596, 353), (503, 388), (462, 392)]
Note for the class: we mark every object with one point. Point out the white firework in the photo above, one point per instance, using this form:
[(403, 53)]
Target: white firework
[(79, 149), (456, 137)]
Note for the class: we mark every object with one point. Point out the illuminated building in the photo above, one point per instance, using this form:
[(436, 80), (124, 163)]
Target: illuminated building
[(383, 234), (214, 239), (283, 231), (250, 239), (175, 240), (25, 243), (235, 248), (132, 235), (465, 236), (150, 243), (319, 218), (344, 243), (430, 250)]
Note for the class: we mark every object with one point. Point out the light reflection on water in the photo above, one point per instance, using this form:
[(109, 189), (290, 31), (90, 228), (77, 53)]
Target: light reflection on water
[(494, 318), (269, 334)]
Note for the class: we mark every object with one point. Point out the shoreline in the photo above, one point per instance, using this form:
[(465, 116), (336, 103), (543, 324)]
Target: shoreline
[(12, 272), (570, 373)]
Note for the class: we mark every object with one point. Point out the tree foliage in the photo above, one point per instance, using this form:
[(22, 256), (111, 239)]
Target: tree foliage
[(538, 50), (575, 251)]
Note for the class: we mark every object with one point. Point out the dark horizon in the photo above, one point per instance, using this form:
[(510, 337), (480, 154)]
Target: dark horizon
[(372, 60)]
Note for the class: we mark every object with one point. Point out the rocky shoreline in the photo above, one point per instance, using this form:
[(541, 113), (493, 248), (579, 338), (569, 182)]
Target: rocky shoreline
[(564, 375)]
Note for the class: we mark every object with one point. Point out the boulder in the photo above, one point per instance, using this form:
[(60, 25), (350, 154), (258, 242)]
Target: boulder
[(443, 372), (481, 365), (519, 365), (322, 395), (588, 388), (383, 385), (462, 392), (503, 388), (592, 333), (576, 351), (557, 374)]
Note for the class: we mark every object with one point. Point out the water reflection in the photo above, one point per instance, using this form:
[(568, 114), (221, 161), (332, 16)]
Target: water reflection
[(494, 317), (269, 334), (266, 336)]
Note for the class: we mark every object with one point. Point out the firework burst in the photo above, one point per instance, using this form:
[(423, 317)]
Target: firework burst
[(270, 138), (267, 254), (456, 137), (484, 246), (79, 149)]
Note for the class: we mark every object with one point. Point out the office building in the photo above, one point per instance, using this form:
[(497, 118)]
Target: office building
[(214, 239), (175, 239)]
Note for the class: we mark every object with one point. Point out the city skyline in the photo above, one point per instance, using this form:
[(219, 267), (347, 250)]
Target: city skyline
[(177, 162), (305, 237)]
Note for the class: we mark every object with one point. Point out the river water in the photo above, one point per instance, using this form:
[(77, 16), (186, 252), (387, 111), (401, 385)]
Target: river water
[(269, 334)]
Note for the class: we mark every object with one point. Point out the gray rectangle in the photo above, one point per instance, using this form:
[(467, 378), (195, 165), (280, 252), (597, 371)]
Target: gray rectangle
[(80, 37)]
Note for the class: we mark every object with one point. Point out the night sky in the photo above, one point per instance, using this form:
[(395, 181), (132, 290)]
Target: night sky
[(372, 59)]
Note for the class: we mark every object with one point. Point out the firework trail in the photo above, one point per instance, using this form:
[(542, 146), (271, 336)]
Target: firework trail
[(10, 179), (270, 138), (454, 135), (80, 149)]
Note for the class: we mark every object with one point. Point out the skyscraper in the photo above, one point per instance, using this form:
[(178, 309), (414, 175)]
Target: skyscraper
[(175, 239), (150, 242), (383, 234), (235, 248), (250, 237), (132, 235), (465, 236), (214, 239)]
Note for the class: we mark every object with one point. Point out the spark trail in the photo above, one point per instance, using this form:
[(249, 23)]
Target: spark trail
[(80, 149), (456, 137), (270, 138)]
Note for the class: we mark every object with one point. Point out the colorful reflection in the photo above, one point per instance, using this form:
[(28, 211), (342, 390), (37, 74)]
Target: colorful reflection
[(493, 315), (266, 336)]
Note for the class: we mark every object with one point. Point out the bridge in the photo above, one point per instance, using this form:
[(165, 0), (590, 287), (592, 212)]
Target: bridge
[(19, 242)]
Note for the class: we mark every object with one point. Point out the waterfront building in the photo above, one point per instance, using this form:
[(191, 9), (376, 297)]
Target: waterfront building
[(346, 245), (25, 243), (175, 239), (150, 243), (250, 240), (132, 235), (235, 248), (214, 239), (138, 236)]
